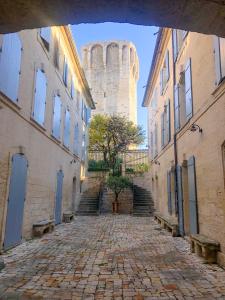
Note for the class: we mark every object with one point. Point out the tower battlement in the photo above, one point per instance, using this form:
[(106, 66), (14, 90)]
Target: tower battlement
[(112, 71)]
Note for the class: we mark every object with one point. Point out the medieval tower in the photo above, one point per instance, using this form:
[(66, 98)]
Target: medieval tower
[(112, 71)]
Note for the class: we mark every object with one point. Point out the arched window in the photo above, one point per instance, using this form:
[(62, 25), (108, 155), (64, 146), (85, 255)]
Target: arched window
[(96, 57), (66, 139), (76, 140), (40, 97), (10, 61), (57, 117), (112, 55)]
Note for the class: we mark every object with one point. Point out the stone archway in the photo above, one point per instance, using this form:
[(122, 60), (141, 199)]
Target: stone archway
[(205, 16)]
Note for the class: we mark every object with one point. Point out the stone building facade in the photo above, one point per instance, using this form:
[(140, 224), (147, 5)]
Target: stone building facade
[(186, 120), (45, 104), (112, 71)]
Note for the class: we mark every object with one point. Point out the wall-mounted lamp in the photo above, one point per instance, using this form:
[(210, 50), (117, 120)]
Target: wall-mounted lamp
[(156, 162), (195, 127), (73, 161)]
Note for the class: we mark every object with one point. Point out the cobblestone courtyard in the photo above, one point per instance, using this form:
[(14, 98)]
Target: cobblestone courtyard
[(106, 257)]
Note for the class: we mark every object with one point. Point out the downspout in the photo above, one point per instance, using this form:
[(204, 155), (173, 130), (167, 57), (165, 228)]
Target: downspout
[(175, 133)]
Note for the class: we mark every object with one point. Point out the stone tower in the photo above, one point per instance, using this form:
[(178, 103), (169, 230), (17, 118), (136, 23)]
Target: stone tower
[(112, 71)]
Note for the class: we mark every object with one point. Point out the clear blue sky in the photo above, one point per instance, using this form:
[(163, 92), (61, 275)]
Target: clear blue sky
[(143, 38)]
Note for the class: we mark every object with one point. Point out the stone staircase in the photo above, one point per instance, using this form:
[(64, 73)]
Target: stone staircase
[(89, 203), (143, 204)]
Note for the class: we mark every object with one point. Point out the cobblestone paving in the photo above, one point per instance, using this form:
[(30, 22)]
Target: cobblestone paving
[(107, 257)]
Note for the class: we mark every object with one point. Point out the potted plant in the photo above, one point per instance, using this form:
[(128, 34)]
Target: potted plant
[(117, 184)]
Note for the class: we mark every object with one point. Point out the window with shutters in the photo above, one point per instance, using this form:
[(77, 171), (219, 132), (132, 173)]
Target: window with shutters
[(45, 34), (65, 72), (219, 54), (183, 100), (165, 125), (56, 126), (10, 63), (72, 89), (40, 97), (178, 39), (155, 140), (171, 192), (66, 137), (152, 145), (164, 73), (78, 101), (56, 53), (76, 140)]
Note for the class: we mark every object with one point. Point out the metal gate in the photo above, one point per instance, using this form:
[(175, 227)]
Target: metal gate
[(17, 192), (193, 206), (180, 201), (58, 198)]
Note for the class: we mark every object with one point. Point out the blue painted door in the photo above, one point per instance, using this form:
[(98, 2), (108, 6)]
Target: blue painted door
[(193, 207), (180, 201), (17, 193), (58, 199)]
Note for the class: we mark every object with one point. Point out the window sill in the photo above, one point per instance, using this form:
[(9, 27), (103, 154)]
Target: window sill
[(220, 89), (42, 127), (57, 140), (47, 51), (9, 102)]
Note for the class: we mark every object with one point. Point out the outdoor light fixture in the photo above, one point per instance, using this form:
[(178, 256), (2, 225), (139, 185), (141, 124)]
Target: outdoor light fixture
[(73, 161), (195, 127), (157, 162)]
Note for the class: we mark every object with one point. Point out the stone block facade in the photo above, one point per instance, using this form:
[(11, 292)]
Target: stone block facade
[(51, 52), (112, 71), (186, 131)]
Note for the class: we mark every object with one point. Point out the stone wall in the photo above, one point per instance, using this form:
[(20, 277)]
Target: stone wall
[(112, 71)]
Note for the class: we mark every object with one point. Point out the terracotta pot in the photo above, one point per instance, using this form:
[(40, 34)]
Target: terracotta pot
[(115, 207)]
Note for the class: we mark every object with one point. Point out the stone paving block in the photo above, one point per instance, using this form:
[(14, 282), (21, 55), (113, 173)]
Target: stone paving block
[(109, 257)]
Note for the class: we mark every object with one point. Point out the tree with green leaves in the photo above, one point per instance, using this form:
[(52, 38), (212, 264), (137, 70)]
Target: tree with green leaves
[(117, 184), (112, 135)]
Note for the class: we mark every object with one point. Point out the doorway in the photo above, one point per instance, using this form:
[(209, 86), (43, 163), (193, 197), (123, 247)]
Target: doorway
[(58, 198), (17, 194)]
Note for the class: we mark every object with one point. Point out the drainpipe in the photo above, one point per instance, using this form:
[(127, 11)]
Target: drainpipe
[(175, 134)]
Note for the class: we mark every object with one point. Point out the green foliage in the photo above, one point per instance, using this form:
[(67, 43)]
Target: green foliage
[(117, 184), (142, 168), (96, 166), (130, 171), (112, 135)]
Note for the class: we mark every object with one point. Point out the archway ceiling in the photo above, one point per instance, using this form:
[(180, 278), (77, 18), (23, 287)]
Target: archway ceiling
[(206, 16)]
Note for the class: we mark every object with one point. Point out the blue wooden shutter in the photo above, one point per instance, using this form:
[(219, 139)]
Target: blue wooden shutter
[(10, 61), (40, 97), (167, 65), (176, 108), (45, 33), (58, 198), (184, 34), (161, 82), (66, 140), (65, 72), (180, 201), (15, 209), (217, 58), (169, 192), (168, 128), (56, 127), (76, 139), (175, 46), (192, 192), (188, 90), (162, 130), (72, 90)]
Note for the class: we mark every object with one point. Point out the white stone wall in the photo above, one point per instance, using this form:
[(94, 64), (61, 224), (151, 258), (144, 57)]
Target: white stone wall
[(112, 71)]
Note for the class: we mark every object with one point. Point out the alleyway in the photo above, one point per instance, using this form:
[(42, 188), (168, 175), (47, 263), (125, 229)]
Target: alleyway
[(108, 257)]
